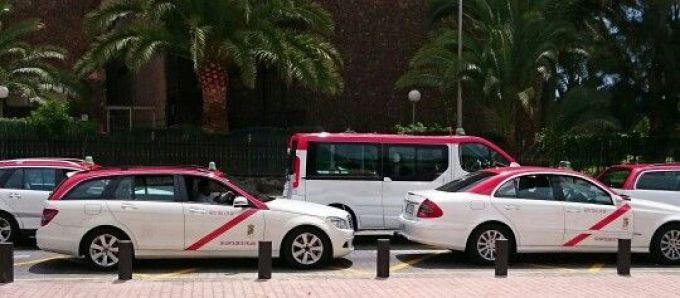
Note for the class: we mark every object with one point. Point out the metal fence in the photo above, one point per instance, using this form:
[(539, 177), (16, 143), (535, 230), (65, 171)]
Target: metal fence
[(248, 154)]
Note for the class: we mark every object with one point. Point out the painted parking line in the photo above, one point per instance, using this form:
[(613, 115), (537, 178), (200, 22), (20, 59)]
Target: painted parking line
[(350, 271), (595, 268), (409, 263), (543, 266), (38, 261), (164, 275)]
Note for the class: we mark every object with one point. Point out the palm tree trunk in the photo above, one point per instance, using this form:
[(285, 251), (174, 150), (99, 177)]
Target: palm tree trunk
[(213, 80)]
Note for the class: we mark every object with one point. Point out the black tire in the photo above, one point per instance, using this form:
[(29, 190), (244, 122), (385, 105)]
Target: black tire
[(474, 253), (288, 251), (7, 221), (655, 248), (90, 252)]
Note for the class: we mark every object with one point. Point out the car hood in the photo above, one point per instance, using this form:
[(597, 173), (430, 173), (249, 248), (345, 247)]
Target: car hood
[(305, 208), (647, 205)]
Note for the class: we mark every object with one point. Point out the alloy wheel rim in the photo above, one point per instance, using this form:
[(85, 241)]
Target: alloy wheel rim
[(5, 230), (104, 250), (307, 248), (670, 245), (486, 244)]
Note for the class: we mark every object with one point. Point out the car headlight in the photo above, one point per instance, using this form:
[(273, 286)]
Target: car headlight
[(340, 223)]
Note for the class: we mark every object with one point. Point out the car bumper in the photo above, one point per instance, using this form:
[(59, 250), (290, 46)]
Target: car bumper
[(59, 239), (342, 242), (431, 232)]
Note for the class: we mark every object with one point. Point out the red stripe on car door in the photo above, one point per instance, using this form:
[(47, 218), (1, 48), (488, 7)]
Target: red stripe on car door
[(599, 225), (222, 229)]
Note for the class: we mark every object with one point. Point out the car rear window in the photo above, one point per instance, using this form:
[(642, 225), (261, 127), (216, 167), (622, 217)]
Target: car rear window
[(466, 182), (614, 178)]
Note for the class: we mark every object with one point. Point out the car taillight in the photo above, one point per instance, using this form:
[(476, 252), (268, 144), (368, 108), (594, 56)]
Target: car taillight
[(429, 209), (296, 168), (47, 216)]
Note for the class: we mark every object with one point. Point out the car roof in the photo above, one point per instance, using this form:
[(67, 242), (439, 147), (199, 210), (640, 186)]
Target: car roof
[(386, 137), (509, 171), (48, 162), (140, 170), (647, 166)]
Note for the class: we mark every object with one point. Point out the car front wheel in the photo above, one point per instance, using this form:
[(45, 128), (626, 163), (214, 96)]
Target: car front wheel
[(306, 248), (665, 246)]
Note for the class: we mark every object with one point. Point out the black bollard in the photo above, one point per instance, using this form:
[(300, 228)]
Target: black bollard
[(623, 259), (264, 260), (125, 257), (383, 269), (6, 262), (502, 256)]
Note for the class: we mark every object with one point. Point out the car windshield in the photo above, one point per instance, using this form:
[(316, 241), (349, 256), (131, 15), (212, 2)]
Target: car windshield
[(466, 182), (614, 178), (250, 190)]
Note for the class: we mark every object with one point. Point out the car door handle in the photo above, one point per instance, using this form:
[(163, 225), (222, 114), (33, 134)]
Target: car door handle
[(197, 211), (574, 210), (128, 206), (14, 196)]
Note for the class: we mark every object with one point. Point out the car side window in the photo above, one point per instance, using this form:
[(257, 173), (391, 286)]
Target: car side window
[(208, 191), (154, 188), (44, 179), (508, 189), (15, 180), (535, 187), (476, 156), (574, 189), (89, 190), (659, 180), (416, 162)]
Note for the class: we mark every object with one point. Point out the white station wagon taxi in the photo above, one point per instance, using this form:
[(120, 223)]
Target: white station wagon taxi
[(538, 210), (185, 212)]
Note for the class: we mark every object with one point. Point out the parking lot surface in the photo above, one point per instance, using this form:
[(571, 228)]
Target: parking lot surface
[(407, 259)]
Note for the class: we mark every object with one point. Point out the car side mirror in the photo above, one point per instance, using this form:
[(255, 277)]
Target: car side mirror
[(241, 202)]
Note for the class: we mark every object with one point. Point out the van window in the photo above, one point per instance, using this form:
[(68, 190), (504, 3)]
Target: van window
[(416, 162), (342, 160), (476, 156), (659, 180)]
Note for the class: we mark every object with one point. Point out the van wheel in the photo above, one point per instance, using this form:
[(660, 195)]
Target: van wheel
[(306, 248), (481, 246), (101, 248), (9, 230), (665, 246)]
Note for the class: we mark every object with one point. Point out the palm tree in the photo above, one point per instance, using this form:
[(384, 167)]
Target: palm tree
[(220, 37), (510, 60), (26, 69)]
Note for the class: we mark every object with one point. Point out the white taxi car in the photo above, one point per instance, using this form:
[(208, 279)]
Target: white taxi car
[(185, 212), (538, 210)]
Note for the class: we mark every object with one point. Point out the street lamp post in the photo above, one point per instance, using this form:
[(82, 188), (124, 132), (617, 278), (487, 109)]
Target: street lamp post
[(414, 97), (459, 105)]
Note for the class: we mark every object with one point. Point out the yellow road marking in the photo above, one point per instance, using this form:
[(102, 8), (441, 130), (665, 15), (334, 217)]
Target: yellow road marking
[(552, 267), (38, 261), (409, 263), (164, 275), (595, 268)]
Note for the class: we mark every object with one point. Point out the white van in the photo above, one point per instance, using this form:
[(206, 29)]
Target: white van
[(369, 174)]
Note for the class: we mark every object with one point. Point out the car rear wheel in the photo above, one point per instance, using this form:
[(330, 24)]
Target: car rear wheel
[(481, 246), (102, 248), (306, 248), (665, 246), (9, 231)]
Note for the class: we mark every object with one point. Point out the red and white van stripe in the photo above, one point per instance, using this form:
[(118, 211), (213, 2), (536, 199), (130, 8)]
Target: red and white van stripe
[(598, 225), (222, 229)]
